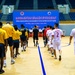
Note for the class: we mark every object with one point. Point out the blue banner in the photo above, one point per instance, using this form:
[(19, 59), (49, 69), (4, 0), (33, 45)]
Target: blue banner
[(40, 18)]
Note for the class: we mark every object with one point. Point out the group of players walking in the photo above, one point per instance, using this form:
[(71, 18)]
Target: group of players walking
[(10, 35)]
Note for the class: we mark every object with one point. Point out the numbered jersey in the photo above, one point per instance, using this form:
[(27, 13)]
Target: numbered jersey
[(57, 33)]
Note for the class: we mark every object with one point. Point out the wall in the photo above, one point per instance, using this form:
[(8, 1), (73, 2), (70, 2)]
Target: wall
[(67, 28)]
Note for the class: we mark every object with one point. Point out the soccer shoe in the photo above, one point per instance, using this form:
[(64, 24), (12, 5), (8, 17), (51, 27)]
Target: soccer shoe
[(59, 57), (4, 65), (52, 54), (24, 49), (18, 53), (12, 61), (2, 71), (55, 58)]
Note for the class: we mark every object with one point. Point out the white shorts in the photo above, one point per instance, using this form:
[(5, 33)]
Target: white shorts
[(49, 44), (57, 45)]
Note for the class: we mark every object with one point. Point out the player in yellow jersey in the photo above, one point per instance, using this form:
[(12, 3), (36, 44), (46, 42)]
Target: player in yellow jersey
[(3, 44), (16, 38), (23, 37), (27, 30), (9, 30)]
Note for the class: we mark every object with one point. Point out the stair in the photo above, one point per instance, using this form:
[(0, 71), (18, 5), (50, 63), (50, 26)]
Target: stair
[(4, 17)]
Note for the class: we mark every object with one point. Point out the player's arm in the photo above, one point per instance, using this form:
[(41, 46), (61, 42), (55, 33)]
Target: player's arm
[(5, 40), (47, 36), (52, 39), (71, 36), (62, 34), (70, 39)]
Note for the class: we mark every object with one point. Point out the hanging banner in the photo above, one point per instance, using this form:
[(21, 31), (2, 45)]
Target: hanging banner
[(40, 18)]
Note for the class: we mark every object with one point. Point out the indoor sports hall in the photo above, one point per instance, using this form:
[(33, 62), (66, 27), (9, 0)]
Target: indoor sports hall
[(37, 59)]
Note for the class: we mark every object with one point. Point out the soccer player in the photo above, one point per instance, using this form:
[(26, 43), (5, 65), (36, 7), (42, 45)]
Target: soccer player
[(56, 35), (49, 36), (9, 30), (35, 35), (23, 37), (3, 44), (16, 38), (45, 36), (72, 34), (27, 31)]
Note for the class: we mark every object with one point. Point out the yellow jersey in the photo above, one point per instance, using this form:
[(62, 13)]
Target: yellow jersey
[(9, 30), (16, 35), (3, 36)]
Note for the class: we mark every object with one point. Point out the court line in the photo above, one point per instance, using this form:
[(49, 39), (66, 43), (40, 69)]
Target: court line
[(41, 61)]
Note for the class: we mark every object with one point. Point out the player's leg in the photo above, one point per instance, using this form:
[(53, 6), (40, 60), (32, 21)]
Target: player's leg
[(44, 40), (11, 50), (34, 40), (51, 47), (48, 46), (5, 54), (4, 64), (1, 66), (18, 47), (2, 55), (54, 48), (59, 49), (12, 55), (24, 45)]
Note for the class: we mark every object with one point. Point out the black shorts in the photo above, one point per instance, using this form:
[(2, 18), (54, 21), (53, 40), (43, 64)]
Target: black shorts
[(10, 41), (15, 43), (23, 38), (2, 51), (35, 37)]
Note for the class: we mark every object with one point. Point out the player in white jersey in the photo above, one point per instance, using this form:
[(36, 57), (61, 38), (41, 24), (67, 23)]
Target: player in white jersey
[(49, 35), (48, 39), (72, 34), (56, 35)]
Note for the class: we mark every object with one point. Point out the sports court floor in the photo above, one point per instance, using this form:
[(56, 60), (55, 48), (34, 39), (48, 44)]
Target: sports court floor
[(29, 63)]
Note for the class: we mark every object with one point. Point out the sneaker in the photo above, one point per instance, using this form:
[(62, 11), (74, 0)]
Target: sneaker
[(59, 57), (15, 56), (55, 58), (18, 53), (52, 54), (24, 49), (12, 61), (2, 71), (4, 65)]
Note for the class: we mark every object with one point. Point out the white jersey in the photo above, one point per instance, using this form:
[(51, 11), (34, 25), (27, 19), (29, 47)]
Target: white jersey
[(73, 33), (50, 35), (57, 34), (47, 33)]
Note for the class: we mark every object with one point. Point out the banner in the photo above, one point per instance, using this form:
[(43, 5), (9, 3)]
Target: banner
[(40, 18)]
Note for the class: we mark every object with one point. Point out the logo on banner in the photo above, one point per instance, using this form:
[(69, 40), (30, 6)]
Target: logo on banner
[(49, 13), (21, 13)]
